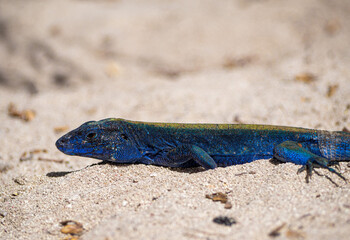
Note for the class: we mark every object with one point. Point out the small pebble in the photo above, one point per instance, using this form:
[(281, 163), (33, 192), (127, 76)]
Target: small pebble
[(228, 205), (223, 220), (20, 180), (3, 213)]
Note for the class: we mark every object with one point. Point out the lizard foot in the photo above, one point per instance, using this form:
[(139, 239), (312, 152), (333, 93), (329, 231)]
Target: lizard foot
[(294, 152), (320, 162)]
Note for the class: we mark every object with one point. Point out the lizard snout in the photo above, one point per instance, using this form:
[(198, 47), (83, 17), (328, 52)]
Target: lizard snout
[(61, 143)]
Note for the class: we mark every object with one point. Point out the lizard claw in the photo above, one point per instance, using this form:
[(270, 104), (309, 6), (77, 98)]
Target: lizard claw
[(332, 170), (308, 167), (336, 165), (301, 169)]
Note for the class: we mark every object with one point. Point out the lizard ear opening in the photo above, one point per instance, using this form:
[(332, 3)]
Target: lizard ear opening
[(124, 136)]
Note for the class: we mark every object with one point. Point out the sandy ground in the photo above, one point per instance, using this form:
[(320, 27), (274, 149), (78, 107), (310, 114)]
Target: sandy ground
[(268, 62)]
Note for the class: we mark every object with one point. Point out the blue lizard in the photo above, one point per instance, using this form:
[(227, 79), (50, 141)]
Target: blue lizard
[(206, 145)]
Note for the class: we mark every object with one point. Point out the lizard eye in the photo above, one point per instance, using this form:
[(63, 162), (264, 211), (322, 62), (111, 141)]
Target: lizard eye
[(91, 135)]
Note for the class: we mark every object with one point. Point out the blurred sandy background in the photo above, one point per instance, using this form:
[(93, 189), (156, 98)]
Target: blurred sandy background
[(66, 62)]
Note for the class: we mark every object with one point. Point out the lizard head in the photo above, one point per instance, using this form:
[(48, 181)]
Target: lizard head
[(106, 140)]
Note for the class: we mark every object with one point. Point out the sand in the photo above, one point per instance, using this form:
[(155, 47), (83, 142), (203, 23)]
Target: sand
[(266, 62)]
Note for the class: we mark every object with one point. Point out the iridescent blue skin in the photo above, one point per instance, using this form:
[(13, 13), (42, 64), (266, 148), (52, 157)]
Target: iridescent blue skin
[(207, 145)]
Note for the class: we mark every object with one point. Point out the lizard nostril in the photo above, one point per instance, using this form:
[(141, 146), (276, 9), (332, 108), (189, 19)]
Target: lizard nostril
[(61, 141)]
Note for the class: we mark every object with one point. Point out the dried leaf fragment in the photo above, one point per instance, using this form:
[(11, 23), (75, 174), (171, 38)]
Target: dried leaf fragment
[(91, 111), (231, 63), (36, 151), (332, 26), (277, 231), (71, 227), (4, 167), (29, 155), (332, 90), (25, 157), (12, 110), (70, 237), (346, 130), (219, 196), (61, 129), (113, 70), (305, 77), (50, 160), (26, 115), (169, 72), (305, 99), (294, 234)]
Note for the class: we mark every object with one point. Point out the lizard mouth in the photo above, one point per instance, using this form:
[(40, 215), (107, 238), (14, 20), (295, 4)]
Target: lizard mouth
[(65, 145)]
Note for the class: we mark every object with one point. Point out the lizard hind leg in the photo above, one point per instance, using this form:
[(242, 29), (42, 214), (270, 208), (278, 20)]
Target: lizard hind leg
[(290, 151)]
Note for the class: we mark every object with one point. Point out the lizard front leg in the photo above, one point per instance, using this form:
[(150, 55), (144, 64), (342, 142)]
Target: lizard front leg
[(290, 151), (183, 153)]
